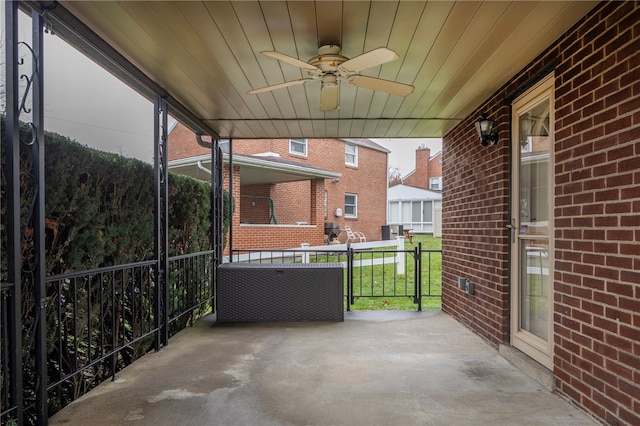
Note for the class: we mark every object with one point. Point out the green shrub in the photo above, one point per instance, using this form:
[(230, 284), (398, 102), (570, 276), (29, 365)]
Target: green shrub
[(99, 211), (99, 207)]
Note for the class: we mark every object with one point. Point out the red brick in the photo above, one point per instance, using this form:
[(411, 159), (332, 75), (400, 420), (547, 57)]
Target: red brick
[(596, 206)]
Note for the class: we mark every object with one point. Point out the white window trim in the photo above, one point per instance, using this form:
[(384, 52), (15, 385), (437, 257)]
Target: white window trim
[(355, 155), (351, 216), (299, 141), (438, 181)]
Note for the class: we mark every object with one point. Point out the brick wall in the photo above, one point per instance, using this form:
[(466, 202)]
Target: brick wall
[(597, 214), (474, 238), (422, 173), (254, 205), (426, 168), (290, 201), (369, 182), (435, 165), (182, 143)]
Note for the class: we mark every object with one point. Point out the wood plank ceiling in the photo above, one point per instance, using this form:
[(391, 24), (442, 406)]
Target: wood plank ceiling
[(205, 55)]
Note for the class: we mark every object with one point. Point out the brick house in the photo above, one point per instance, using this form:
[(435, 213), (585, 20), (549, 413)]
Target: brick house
[(341, 183), (556, 203), (428, 171)]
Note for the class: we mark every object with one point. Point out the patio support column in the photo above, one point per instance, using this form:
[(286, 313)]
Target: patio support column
[(230, 206), (216, 217), (316, 202), (13, 288), (161, 225), (37, 255)]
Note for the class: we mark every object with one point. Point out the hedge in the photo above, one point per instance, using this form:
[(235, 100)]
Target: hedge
[(99, 211)]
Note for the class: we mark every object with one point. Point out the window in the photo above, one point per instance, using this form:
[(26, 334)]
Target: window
[(406, 213), (351, 155), (435, 183), (350, 205), (298, 146), (394, 212), (427, 211)]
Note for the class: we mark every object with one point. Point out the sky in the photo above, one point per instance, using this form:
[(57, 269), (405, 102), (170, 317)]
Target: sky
[(86, 103)]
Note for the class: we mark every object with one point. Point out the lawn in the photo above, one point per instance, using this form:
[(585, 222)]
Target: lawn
[(381, 287)]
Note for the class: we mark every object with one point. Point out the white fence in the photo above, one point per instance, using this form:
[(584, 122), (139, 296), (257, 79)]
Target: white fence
[(396, 253)]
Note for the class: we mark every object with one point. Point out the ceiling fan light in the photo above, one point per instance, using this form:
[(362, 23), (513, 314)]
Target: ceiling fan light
[(329, 96)]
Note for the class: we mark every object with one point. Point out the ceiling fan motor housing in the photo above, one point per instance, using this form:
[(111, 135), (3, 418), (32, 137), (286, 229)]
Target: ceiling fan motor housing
[(328, 59)]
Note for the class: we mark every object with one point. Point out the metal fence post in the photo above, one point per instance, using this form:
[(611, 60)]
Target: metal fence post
[(37, 218), (418, 275), (400, 259), (305, 253), (161, 184), (350, 300), (12, 165)]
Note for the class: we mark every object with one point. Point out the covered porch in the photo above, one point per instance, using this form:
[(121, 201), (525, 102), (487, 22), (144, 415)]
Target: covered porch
[(417, 370), (261, 185), (376, 368)]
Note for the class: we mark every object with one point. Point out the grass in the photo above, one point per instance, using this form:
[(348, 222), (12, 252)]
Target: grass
[(381, 287)]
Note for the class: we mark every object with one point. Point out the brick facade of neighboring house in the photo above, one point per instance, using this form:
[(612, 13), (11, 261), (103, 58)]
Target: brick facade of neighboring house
[(596, 228), (301, 201), (427, 167)]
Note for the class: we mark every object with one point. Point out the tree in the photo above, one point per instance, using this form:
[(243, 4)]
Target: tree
[(393, 176)]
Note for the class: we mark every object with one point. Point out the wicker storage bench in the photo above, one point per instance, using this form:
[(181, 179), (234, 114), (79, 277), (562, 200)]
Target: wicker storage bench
[(262, 292)]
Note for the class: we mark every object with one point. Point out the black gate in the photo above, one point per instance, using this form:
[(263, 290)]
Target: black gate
[(374, 274), (391, 274)]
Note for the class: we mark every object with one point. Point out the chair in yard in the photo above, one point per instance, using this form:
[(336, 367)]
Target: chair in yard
[(354, 236)]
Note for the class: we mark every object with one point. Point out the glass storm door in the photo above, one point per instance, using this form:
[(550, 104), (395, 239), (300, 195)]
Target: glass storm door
[(532, 221)]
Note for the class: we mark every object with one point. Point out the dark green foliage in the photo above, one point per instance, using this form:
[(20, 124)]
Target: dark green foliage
[(99, 207), (99, 211)]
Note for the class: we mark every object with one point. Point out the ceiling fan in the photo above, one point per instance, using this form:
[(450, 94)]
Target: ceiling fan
[(329, 66)]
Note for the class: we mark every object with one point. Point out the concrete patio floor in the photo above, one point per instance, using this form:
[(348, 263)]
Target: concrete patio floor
[(376, 368)]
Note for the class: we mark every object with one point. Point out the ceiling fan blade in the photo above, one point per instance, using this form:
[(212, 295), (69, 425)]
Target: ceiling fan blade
[(279, 86), (328, 97), (370, 59), (392, 87), (289, 59)]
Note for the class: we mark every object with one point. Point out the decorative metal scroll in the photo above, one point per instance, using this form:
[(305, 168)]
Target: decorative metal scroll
[(161, 218)]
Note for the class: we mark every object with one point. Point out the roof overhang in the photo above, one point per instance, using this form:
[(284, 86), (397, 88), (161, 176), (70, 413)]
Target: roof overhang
[(253, 170)]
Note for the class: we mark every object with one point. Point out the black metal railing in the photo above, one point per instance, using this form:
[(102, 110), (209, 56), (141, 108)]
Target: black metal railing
[(191, 288), (101, 320), (374, 272), (98, 321), (8, 387)]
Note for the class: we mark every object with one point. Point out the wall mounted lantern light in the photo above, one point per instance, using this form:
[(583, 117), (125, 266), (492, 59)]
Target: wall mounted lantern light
[(485, 128)]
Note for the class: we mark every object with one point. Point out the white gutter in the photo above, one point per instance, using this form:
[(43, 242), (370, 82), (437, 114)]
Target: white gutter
[(257, 162), (201, 167)]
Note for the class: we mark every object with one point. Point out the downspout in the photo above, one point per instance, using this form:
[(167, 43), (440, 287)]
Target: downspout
[(201, 167), (202, 142)]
